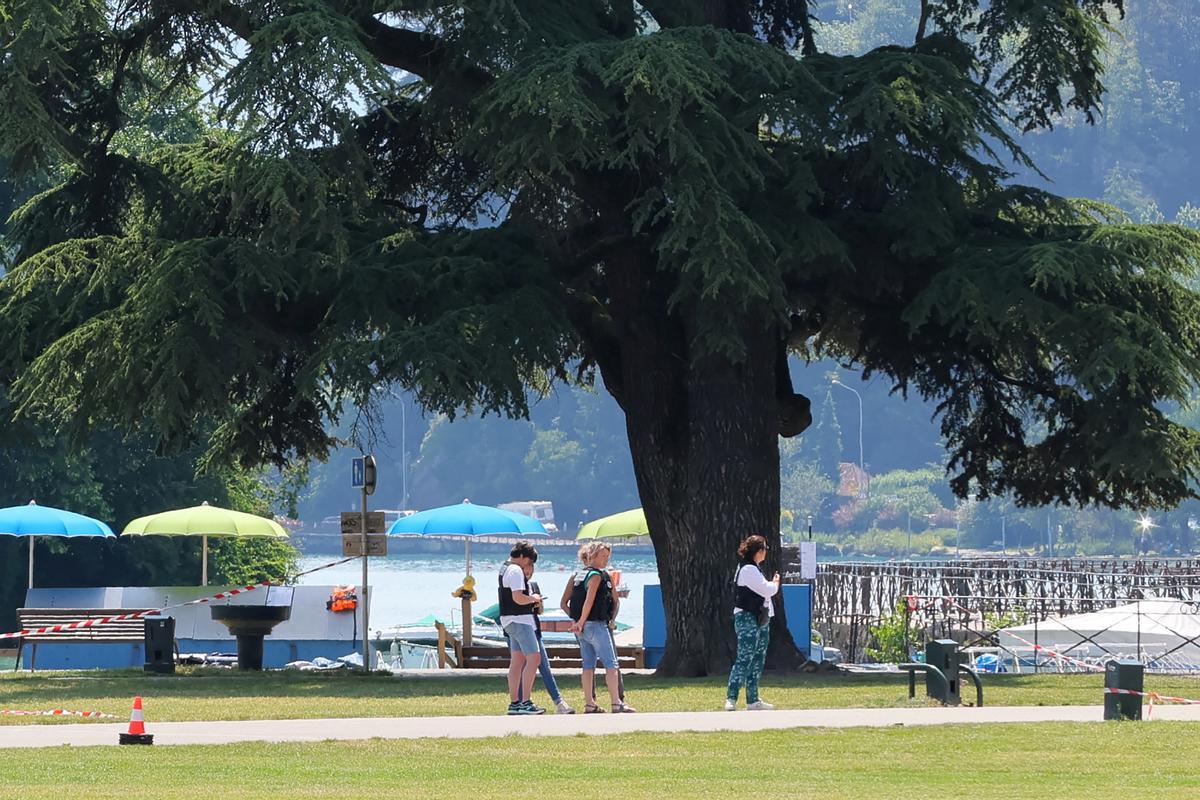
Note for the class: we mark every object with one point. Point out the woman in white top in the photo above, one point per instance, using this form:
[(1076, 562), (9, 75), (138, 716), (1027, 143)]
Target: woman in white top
[(752, 614)]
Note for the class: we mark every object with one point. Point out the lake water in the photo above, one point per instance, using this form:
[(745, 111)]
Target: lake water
[(408, 587)]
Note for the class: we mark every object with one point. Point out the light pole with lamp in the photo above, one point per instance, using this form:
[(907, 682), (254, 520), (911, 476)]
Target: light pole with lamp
[(908, 514), (861, 463), (403, 448), (810, 527), (957, 531), (958, 507), (404, 455)]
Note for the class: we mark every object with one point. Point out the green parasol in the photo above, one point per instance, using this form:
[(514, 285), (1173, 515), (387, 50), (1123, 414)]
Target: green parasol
[(205, 521), (626, 523)]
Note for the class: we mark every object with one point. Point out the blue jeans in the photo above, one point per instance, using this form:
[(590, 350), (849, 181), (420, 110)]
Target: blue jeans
[(521, 638), (596, 644), (548, 676), (751, 655)]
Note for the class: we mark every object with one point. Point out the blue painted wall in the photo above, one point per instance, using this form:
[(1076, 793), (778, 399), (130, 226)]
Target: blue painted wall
[(797, 602), (121, 655), (311, 631)]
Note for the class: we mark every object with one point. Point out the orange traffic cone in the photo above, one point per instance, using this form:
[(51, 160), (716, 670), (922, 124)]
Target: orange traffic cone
[(137, 727)]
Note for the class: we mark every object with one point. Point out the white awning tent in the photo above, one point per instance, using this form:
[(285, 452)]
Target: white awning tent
[(1163, 634)]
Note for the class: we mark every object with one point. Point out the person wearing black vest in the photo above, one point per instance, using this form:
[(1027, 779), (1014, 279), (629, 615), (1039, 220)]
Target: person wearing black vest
[(517, 605), (752, 614), (560, 703), (592, 605)]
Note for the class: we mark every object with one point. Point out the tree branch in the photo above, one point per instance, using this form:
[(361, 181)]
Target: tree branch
[(224, 13), (924, 21), (136, 37), (424, 55), (669, 13), (808, 42)]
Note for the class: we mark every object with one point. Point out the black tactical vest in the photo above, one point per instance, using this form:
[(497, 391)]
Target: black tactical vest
[(746, 598), (508, 606), (601, 606)]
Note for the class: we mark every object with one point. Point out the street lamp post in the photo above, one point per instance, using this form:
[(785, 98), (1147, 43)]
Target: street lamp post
[(404, 455), (957, 531), (861, 462)]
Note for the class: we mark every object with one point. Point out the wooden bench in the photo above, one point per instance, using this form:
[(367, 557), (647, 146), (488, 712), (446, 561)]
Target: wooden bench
[(129, 630), (452, 653)]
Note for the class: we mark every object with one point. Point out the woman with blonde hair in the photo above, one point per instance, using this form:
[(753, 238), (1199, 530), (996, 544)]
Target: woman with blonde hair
[(591, 602)]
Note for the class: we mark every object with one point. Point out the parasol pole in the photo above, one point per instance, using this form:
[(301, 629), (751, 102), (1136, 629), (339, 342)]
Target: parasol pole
[(204, 560), (31, 538)]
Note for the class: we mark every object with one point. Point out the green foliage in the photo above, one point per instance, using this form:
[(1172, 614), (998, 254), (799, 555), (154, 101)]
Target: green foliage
[(915, 493), (289, 273), (892, 636), (476, 200), (804, 490), (116, 478), (244, 561), (822, 443), (572, 453)]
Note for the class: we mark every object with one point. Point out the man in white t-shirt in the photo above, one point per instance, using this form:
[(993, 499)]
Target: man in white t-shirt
[(517, 606)]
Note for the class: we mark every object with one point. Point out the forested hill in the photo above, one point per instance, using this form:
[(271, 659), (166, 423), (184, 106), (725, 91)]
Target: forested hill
[(1140, 156)]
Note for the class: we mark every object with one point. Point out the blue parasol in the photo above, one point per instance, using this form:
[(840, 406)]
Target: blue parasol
[(467, 520), (33, 520)]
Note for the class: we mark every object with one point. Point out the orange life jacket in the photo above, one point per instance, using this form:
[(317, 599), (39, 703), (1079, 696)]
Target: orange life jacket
[(342, 599)]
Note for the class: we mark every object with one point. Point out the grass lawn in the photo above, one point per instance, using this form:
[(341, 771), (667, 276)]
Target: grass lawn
[(1148, 761), (226, 695)]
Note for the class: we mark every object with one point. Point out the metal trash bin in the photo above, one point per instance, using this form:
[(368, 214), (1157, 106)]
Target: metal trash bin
[(159, 644), (1123, 674), (944, 654)]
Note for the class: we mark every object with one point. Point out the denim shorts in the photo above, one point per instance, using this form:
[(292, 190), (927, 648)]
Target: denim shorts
[(522, 638), (595, 644)]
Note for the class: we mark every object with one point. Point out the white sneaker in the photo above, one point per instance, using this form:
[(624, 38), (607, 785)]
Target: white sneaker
[(761, 705), (563, 708), (730, 705)]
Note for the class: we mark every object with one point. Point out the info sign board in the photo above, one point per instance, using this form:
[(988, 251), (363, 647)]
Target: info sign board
[(808, 561), (352, 534)]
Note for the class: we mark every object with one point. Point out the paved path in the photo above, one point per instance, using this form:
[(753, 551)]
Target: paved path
[(315, 730)]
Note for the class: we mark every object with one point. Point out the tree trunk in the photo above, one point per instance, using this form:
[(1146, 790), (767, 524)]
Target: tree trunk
[(704, 439)]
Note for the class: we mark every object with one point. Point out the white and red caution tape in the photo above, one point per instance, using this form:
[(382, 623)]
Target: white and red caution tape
[(90, 623), (1152, 697), (56, 712), (1056, 654)]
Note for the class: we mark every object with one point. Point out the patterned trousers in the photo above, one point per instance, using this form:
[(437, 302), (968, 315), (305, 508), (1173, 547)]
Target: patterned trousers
[(751, 655)]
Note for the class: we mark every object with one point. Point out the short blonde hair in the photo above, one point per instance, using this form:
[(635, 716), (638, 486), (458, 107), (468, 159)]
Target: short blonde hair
[(589, 550)]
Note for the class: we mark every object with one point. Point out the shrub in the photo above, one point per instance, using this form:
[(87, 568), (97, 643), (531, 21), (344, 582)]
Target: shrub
[(891, 635)]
